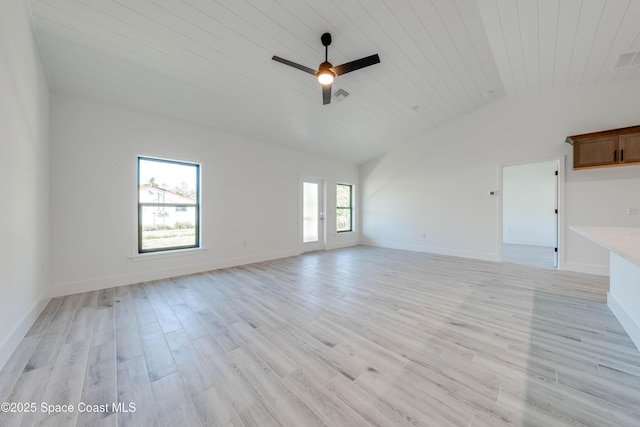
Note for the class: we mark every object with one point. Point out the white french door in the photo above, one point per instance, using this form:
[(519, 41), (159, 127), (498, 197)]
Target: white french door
[(312, 215)]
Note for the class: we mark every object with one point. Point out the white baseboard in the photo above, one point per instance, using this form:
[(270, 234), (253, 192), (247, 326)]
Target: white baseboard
[(529, 243), (342, 245), (600, 270), (631, 327), (63, 289), (484, 256), (11, 342)]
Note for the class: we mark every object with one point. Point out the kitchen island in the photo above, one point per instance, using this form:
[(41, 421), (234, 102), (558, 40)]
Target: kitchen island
[(623, 298)]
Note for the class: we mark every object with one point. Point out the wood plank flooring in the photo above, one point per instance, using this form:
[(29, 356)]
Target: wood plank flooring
[(353, 337), (531, 255)]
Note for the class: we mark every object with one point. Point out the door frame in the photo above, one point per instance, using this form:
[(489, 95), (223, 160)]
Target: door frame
[(322, 236), (560, 204)]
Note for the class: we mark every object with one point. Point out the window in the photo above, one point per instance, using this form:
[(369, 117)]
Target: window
[(168, 205), (344, 205)]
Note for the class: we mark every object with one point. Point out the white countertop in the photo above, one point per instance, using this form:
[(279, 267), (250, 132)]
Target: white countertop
[(623, 241)]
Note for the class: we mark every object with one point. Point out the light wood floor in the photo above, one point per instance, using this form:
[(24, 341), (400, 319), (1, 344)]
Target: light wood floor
[(353, 337), (533, 256)]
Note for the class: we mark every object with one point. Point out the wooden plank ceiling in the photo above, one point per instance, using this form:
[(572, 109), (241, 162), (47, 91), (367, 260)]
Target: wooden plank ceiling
[(209, 62)]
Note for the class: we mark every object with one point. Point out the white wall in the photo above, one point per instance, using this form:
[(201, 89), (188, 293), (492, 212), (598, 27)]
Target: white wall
[(528, 204), (432, 194), (250, 194), (624, 295), (24, 174)]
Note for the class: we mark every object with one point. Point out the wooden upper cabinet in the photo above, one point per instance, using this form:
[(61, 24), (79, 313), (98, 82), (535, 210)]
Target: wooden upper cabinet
[(595, 152), (610, 148), (629, 146)]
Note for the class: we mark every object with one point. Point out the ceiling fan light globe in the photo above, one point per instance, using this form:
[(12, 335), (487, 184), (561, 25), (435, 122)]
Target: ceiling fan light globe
[(325, 77)]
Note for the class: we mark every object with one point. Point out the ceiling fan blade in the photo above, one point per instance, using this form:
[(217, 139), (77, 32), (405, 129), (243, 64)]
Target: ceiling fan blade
[(294, 65), (356, 65), (326, 94)]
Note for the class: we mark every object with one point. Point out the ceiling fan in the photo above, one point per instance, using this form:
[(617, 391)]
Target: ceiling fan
[(326, 72)]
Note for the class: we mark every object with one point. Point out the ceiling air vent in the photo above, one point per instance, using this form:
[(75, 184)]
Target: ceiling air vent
[(630, 59), (340, 95)]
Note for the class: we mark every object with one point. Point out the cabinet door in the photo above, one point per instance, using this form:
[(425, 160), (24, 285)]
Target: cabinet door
[(629, 146), (595, 152)]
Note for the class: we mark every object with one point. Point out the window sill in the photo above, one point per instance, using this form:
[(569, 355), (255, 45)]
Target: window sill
[(166, 254)]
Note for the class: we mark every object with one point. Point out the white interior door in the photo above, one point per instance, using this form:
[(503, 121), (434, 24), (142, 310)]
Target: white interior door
[(312, 215)]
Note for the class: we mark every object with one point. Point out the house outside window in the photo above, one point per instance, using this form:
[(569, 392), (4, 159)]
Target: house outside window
[(344, 207), (168, 205)]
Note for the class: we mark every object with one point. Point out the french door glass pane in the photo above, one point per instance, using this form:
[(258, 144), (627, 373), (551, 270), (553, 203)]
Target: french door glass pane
[(310, 212)]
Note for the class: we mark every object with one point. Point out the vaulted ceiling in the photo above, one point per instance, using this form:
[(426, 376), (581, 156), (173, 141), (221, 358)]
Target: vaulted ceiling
[(208, 62)]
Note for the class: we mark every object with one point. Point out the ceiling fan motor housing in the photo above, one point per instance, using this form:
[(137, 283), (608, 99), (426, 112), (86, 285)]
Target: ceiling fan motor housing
[(324, 67)]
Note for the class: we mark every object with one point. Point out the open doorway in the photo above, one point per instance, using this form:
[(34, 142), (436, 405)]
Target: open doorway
[(530, 214), (312, 219)]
